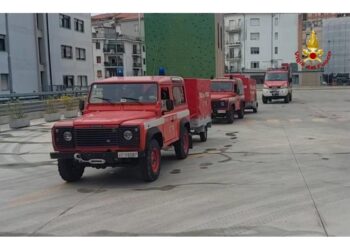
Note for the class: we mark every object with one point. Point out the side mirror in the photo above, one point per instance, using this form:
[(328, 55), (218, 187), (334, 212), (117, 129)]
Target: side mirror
[(169, 104), (81, 105)]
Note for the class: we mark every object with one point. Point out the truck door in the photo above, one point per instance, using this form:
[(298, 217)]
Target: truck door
[(169, 128)]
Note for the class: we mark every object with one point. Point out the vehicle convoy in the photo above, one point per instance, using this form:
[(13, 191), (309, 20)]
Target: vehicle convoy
[(277, 84), (227, 99), (199, 104), (127, 121), (250, 96)]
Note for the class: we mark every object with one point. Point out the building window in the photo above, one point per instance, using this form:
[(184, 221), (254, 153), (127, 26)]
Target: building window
[(68, 81), (66, 51), (255, 36), (78, 25), (276, 35), (143, 48), (98, 45), (254, 50), (120, 48), (82, 81), (80, 54), (4, 82), (64, 21), (254, 65), (276, 50), (98, 59), (276, 20), (179, 97), (254, 21), (2, 43), (144, 61), (99, 73)]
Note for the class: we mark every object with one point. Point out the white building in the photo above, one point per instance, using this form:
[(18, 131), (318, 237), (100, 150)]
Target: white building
[(336, 38), (118, 44), (43, 52), (255, 42)]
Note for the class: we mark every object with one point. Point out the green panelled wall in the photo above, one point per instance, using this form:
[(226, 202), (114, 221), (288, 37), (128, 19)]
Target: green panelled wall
[(184, 44)]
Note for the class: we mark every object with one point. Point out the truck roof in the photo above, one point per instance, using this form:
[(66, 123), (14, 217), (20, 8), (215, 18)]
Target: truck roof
[(158, 79)]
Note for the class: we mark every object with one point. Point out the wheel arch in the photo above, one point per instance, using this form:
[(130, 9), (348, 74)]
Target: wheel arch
[(155, 133)]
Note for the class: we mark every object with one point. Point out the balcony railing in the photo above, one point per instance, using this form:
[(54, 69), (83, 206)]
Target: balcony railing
[(234, 28), (136, 52), (137, 65), (113, 64)]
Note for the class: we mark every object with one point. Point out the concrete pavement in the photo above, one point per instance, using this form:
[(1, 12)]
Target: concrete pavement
[(281, 172)]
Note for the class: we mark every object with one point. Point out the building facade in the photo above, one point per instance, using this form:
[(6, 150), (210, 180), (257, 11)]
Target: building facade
[(336, 38), (118, 45), (187, 45), (256, 42), (45, 52)]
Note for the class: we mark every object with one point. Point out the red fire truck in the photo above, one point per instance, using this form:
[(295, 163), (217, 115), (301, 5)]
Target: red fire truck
[(250, 97)]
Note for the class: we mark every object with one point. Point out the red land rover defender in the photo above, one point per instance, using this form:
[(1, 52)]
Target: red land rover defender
[(250, 96), (227, 98), (126, 120)]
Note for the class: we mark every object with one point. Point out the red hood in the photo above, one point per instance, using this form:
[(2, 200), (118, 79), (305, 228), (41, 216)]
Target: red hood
[(276, 83), (112, 117), (217, 96)]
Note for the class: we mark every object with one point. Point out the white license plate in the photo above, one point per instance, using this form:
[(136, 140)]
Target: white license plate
[(128, 154), (221, 111)]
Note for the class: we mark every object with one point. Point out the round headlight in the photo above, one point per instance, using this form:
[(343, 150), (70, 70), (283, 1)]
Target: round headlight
[(67, 136), (127, 135)]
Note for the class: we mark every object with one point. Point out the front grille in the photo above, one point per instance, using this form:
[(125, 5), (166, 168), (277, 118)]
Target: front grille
[(217, 105), (96, 137)]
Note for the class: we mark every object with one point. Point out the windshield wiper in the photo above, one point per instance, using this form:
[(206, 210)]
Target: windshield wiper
[(104, 99), (131, 99)]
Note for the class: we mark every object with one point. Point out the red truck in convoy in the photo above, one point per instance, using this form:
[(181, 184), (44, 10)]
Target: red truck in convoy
[(227, 99), (127, 121), (278, 84), (250, 96)]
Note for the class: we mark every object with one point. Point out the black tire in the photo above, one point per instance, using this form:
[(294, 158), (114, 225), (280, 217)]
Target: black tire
[(230, 116), (69, 171), (290, 97), (264, 100), (255, 110), (150, 164), (286, 99), (204, 135), (241, 112), (182, 145)]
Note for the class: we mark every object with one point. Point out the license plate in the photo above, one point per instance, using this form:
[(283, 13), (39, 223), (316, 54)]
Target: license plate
[(128, 154), (274, 93), (221, 111)]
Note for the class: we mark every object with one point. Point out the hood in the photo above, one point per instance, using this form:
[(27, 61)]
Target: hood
[(112, 117), (275, 83), (217, 96)]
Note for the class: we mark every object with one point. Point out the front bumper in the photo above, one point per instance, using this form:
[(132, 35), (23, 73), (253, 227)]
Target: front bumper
[(219, 113), (275, 93), (99, 158)]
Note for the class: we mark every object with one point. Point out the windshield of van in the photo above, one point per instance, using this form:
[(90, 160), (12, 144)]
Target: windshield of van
[(123, 93), (276, 77), (221, 86)]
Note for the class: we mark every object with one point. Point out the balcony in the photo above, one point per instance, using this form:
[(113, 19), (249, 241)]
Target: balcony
[(234, 44), (136, 52), (113, 64), (233, 28), (137, 65)]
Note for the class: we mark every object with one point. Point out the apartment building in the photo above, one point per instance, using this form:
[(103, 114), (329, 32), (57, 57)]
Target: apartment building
[(45, 52), (255, 42), (118, 45)]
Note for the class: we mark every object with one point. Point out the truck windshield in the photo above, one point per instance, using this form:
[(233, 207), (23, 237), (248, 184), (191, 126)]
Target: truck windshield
[(276, 77), (221, 86), (123, 93)]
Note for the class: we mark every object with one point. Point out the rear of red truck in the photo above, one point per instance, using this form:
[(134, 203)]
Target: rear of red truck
[(199, 104)]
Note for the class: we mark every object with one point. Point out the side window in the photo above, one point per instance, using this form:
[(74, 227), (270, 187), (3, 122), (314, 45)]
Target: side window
[(179, 96), (164, 95)]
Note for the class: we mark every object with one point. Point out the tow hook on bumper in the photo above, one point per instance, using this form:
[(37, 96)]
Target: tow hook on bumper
[(78, 158)]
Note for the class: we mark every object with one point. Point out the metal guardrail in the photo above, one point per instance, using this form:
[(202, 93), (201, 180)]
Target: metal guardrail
[(4, 98), (35, 102)]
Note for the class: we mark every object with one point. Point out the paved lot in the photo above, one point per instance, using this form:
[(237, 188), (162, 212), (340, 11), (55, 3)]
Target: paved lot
[(283, 171)]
